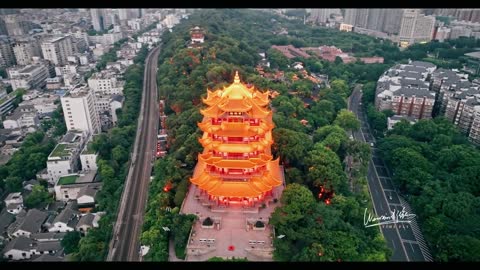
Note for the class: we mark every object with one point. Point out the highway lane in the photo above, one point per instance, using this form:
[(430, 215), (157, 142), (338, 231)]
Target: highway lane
[(125, 245), (404, 239)]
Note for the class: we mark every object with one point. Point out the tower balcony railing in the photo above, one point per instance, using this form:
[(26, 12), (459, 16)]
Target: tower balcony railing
[(236, 176), (237, 157), (234, 141), (232, 158)]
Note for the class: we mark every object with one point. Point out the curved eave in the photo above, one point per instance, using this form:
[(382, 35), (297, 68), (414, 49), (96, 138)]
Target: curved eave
[(234, 189), (212, 111)]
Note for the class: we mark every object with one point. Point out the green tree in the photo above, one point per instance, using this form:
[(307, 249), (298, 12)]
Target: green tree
[(70, 242), (13, 184), (340, 87), (291, 146), (347, 120), (324, 168), (39, 197), (277, 59)]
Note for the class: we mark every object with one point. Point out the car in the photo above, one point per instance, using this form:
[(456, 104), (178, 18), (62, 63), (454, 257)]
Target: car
[(371, 144)]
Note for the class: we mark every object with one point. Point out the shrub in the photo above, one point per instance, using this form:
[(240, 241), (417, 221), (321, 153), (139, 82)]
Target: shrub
[(259, 224), (207, 222)]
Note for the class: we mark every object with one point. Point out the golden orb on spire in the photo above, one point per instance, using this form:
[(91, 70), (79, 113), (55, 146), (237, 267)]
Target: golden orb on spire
[(237, 78)]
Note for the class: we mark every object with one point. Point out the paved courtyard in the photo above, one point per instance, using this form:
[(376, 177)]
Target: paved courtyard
[(233, 233)]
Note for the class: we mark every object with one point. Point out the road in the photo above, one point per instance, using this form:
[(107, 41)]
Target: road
[(125, 245), (404, 239)]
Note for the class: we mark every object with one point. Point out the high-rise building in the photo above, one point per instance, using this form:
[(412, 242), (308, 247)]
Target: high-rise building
[(321, 15), (7, 11), (362, 17), (79, 110), (97, 19), (24, 50), (393, 19), (460, 31), (376, 19), (134, 13), (58, 49), (415, 27), (366, 18), (445, 11), (350, 16), (141, 12), (7, 57), (3, 28), (236, 165), (109, 18), (463, 14), (475, 15), (123, 14), (12, 24)]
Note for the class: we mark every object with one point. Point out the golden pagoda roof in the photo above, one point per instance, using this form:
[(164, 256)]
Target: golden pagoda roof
[(255, 186), (237, 97), (235, 189)]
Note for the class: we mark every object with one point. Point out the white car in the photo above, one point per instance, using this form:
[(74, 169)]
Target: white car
[(371, 144)]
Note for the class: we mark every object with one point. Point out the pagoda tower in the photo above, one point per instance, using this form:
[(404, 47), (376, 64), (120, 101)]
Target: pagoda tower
[(236, 165), (197, 35)]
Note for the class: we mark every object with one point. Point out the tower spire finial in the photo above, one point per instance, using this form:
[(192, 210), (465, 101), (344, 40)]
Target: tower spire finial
[(237, 78)]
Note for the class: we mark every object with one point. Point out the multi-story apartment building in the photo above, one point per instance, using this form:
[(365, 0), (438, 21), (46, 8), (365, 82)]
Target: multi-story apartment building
[(446, 83), (404, 89), (474, 135), (21, 119), (413, 102), (58, 49), (79, 110), (25, 50), (7, 57), (460, 108), (29, 77), (97, 19), (105, 83), (415, 27), (64, 158), (105, 39)]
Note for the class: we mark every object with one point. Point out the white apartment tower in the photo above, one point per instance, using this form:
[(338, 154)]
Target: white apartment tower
[(79, 110), (57, 50), (97, 19)]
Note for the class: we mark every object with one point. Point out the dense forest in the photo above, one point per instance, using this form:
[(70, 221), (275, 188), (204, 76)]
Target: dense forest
[(439, 171), (312, 153)]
